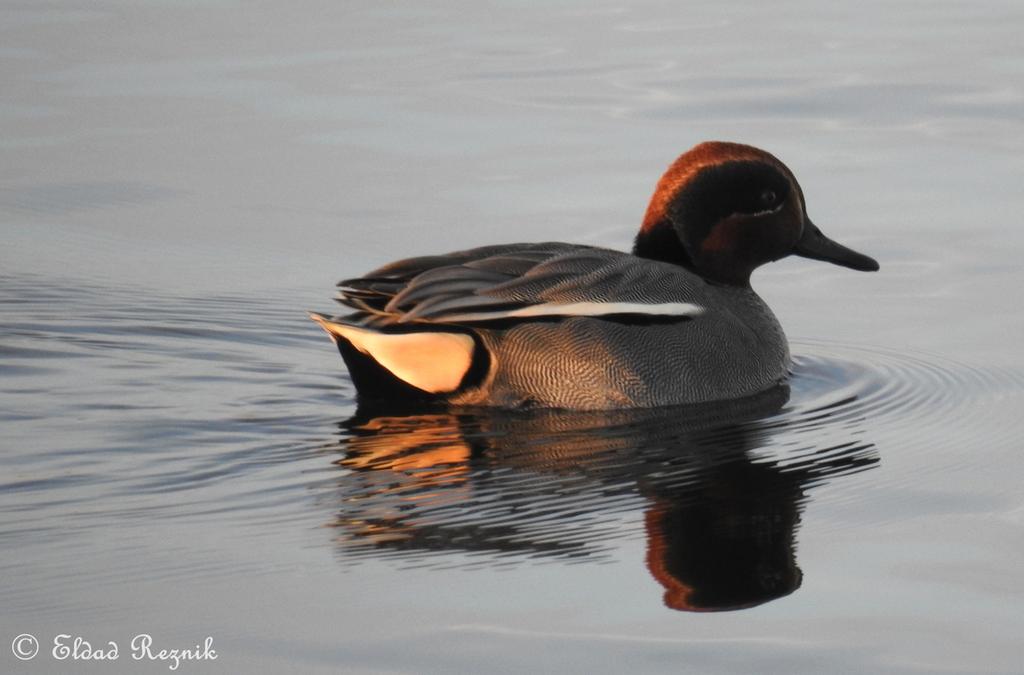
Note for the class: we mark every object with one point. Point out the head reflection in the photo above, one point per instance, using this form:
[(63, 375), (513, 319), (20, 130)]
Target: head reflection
[(730, 544), (719, 512)]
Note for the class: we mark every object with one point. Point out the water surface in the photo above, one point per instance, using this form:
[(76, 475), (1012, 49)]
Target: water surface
[(182, 454)]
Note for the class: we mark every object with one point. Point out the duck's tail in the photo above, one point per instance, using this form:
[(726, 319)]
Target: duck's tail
[(386, 363)]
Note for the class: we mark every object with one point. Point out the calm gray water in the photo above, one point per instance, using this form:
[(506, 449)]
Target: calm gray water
[(181, 452)]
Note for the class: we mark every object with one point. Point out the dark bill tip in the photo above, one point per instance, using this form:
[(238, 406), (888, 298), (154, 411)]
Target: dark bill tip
[(813, 244)]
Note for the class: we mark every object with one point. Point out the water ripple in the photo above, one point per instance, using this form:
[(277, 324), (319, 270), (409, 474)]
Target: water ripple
[(558, 485)]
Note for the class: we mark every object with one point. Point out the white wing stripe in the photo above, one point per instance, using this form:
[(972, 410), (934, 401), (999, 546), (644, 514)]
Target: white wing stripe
[(681, 309)]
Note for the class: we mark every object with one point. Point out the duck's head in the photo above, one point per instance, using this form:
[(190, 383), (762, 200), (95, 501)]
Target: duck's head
[(723, 209)]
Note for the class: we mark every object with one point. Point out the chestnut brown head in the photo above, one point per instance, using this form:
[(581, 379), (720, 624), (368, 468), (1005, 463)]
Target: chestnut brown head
[(724, 209)]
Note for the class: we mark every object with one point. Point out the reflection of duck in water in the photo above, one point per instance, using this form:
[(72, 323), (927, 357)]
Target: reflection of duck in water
[(720, 522)]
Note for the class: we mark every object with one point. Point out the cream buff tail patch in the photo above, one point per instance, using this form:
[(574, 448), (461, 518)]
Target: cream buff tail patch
[(432, 361)]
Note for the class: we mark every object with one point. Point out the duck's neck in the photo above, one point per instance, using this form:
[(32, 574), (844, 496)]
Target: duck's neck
[(660, 242)]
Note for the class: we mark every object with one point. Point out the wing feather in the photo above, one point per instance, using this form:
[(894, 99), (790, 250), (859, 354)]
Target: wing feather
[(523, 281)]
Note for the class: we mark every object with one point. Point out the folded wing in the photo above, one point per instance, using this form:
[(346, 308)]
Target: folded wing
[(522, 282)]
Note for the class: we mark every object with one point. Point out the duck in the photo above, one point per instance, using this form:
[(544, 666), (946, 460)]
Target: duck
[(561, 325)]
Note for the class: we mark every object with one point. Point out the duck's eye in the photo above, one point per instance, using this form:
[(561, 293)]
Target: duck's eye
[(768, 197)]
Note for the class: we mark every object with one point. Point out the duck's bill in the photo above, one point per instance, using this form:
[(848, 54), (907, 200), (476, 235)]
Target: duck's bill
[(814, 244)]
